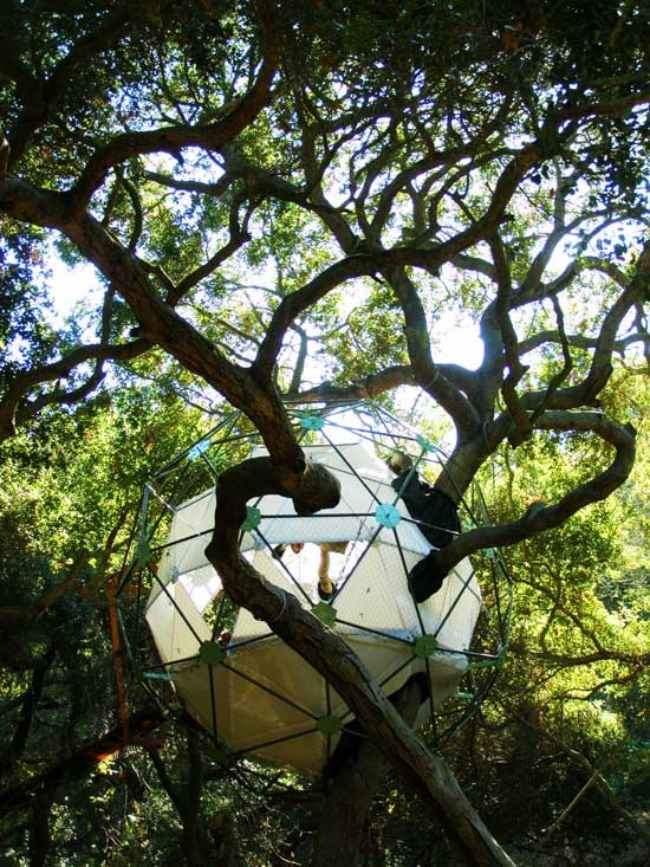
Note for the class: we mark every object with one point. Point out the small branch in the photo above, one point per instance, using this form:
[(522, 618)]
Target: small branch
[(601, 366), (190, 280), (581, 760), (369, 263), (48, 599), (14, 412), (586, 392), (611, 107), (371, 386), (556, 824), (565, 370), (29, 706), (426, 373), (138, 217), (81, 763), (523, 424), (166, 781), (299, 367), (215, 190), (112, 199), (579, 341)]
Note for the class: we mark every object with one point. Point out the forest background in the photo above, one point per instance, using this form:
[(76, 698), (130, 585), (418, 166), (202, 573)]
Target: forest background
[(303, 200)]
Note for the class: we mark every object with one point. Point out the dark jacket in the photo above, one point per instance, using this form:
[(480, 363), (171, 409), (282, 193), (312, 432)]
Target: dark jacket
[(437, 515)]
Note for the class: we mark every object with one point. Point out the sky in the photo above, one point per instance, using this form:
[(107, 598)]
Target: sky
[(71, 285)]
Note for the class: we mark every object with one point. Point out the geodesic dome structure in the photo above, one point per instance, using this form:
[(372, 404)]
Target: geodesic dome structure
[(241, 682)]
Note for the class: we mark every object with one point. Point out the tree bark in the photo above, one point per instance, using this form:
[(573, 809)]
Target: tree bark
[(345, 809), (40, 841)]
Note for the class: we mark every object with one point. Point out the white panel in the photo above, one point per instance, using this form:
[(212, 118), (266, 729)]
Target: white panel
[(160, 617), (191, 518), (368, 597), (383, 657), (188, 630), (248, 716), (307, 753), (457, 631), (446, 672), (247, 626), (192, 682), (177, 635), (202, 585)]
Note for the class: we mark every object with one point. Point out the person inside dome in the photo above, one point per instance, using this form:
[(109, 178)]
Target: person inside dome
[(437, 518), (326, 587)]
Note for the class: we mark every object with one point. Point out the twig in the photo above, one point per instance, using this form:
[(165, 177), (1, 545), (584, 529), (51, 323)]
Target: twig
[(556, 824)]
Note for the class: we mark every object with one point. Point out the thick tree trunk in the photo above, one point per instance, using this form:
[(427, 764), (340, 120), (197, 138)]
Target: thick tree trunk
[(40, 841), (196, 847), (344, 811)]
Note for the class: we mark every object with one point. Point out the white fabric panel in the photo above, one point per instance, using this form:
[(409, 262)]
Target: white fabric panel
[(248, 716), (357, 454), (307, 753), (446, 671), (174, 638), (456, 634), (160, 617), (368, 597), (303, 568), (202, 585), (188, 631), (271, 663), (382, 657), (193, 517), (377, 597), (192, 683)]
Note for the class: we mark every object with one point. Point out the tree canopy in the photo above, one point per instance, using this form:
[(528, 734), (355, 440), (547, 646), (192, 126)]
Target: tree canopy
[(302, 201)]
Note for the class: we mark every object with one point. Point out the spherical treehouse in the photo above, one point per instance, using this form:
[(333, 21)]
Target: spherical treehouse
[(241, 682)]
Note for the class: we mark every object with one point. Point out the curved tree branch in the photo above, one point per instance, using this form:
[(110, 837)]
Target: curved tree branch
[(516, 370), (541, 518), (426, 373), (586, 393), (12, 409), (335, 661), (384, 380)]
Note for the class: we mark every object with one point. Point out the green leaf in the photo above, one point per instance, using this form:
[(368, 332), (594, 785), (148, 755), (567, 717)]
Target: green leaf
[(325, 613)]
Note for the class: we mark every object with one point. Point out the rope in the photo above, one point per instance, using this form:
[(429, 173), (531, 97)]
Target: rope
[(283, 608)]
